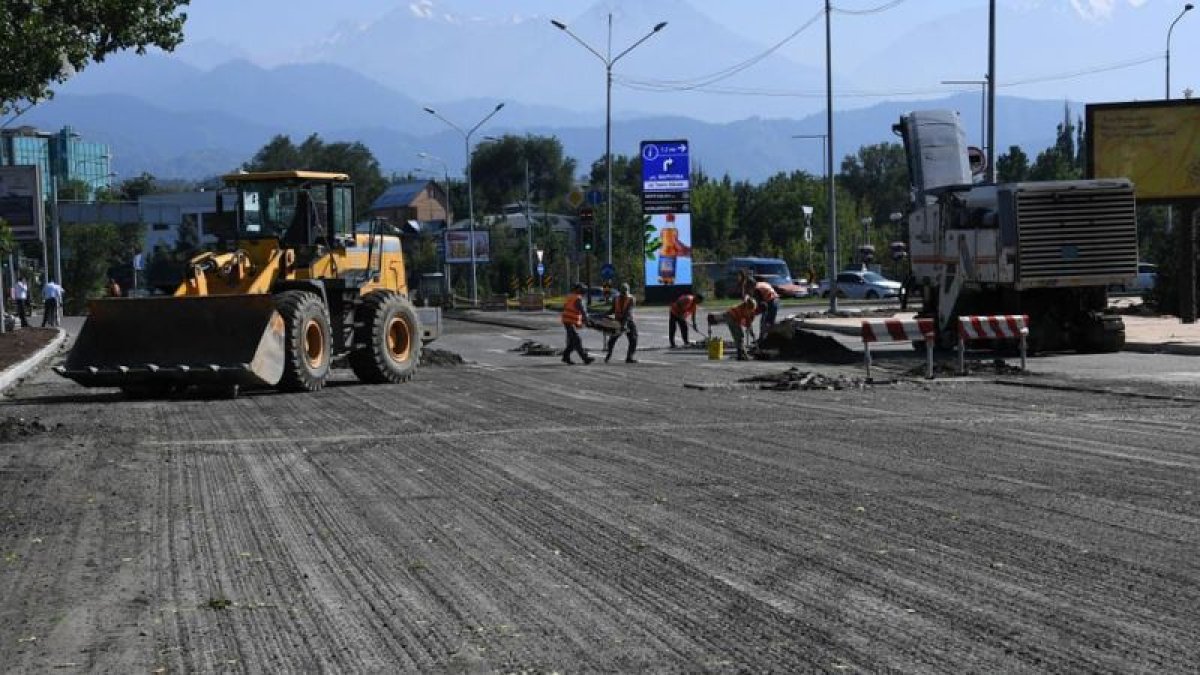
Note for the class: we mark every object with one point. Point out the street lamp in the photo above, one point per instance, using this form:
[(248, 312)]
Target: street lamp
[(1186, 8), (831, 246), (608, 60), (470, 191)]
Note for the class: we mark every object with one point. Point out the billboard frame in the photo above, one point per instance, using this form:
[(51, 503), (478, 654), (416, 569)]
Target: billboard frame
[(1090, 144), (34, 229)]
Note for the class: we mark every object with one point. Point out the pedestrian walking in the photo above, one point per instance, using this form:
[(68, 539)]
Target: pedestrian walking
[(683, 308), (622, 311), (52, 295), (20, 293), (740, 321), (768, 306), (574, 317)]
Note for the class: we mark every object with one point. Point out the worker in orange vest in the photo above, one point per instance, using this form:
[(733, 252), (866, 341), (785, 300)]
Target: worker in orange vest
[(684, 306), (740, 321), (768, 306), (622, 311), (574, 317)]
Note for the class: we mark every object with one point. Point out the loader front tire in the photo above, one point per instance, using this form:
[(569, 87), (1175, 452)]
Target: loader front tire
[(390, 339), (306, 342)]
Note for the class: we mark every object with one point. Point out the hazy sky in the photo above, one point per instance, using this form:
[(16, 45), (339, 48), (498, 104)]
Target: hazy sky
[(1085, 50)]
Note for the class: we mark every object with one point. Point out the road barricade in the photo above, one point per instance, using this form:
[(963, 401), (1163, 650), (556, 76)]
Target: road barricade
[(998, 327), (898, 330), (533, 302)]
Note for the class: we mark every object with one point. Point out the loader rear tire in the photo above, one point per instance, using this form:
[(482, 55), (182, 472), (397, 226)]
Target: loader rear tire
[(306, 341), (390, 336)]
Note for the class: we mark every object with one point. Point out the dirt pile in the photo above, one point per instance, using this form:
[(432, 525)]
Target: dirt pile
[(794, 379), (18, 428), (533, 348), (794, 342), (439, 357)]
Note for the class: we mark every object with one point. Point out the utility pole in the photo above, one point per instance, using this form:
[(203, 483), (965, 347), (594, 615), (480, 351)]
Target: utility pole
[(991, 88), (833, 229)]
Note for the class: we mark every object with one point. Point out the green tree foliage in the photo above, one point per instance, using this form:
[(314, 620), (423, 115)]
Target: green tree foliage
[(1061, 161), (132, 189), (1013, 166), (90, 252), (498, 170), (46, 41), (353, 159), (877, 180)]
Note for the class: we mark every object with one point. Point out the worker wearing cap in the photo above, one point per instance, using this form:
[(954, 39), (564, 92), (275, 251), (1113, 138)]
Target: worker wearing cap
[(684, 306), (740, 321), (574, 316), (622, 311), (768, 306)]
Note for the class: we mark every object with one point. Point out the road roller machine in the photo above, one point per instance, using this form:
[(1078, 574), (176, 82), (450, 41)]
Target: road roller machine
[(292, 288)]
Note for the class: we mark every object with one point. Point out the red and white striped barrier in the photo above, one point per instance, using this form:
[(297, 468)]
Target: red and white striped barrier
[(999, 327), (898, 330)]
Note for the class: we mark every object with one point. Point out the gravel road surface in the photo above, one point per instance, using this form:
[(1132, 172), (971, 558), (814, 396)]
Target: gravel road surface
[(516, 514)]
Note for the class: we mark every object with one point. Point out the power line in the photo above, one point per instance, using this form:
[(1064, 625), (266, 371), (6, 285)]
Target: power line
[(874, 10)]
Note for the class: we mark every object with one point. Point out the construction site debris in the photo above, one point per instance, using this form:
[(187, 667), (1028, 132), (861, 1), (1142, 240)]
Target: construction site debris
[(440, 357), (533, 348), (973, 367), (794, 379), (793, 341), (18, 428)]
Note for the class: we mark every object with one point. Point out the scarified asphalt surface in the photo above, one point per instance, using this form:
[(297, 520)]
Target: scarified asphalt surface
[(514, 514)]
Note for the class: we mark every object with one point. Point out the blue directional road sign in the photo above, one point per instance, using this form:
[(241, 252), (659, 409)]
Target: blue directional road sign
[(595, 197), (608, 272), (665, 166), (541, 269)]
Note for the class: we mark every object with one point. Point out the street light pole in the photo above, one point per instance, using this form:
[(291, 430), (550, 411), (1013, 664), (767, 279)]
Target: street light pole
[(470, 188), (829, 255), (833, 242), (608, 60), (1186, 8)]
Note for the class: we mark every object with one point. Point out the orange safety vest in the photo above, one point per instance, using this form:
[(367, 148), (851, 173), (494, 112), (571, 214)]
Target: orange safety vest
[(621, 307), (571, 316), (764, 291), (743, 315), (683, 306)]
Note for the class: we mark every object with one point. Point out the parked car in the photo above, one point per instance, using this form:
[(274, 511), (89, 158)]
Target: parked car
[(863, 285), (774, 271)]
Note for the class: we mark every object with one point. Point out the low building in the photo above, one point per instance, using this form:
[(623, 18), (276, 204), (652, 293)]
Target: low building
[(422, 201), (64, 157)]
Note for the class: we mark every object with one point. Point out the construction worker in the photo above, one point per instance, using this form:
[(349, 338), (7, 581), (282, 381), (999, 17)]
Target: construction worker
[(740, 321), (574, 317), (683, 307), (768, 306), (622, 311)]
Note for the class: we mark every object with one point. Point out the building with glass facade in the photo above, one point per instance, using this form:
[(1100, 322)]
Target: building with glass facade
[(63, 156)]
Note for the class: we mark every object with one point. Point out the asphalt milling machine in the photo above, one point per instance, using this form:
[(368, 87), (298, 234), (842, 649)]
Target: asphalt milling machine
[(291, 287)]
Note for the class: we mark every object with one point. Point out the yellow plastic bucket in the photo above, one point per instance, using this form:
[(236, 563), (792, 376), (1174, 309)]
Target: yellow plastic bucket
[(716, 349)]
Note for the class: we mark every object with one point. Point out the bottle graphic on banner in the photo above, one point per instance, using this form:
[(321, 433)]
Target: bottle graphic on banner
[(670, 251)]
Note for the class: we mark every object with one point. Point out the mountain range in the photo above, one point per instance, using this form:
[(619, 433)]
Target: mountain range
[(166, 116)]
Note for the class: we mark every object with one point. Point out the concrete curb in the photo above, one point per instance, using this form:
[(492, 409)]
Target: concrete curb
[(12, 375)]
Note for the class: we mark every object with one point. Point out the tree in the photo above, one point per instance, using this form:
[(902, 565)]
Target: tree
[(1013, 166), (90, 252), (46, 41), (1059, 162), (877, 178), (353, 159), (498, 169)]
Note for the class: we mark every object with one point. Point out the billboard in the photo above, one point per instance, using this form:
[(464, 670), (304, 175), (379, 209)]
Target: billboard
[(458, 246), (1156, 144), (666, 205), (21, 203)]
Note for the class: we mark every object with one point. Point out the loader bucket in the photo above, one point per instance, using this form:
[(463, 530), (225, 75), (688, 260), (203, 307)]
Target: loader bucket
[(178, 341)]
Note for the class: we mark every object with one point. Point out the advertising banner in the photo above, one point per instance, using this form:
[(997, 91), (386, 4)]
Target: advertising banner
[(1156, 144), (458, 246), (666, 206), (21, 203)]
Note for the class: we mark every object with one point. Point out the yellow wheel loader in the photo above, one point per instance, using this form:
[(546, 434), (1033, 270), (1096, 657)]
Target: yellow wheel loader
[(290, 288)]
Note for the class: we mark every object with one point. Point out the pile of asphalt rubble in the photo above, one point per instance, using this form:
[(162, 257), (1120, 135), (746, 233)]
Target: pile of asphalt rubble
[(18, 428), (794, 379), (533, 348), (973, 367), (439, 357)]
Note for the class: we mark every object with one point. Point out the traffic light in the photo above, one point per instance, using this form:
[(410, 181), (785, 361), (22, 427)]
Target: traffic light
[(587, 228)]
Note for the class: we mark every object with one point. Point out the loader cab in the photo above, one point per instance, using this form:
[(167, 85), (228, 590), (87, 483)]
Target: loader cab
[(303, 210)]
